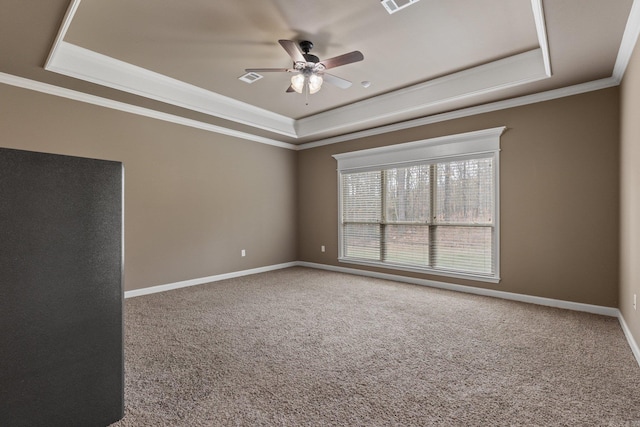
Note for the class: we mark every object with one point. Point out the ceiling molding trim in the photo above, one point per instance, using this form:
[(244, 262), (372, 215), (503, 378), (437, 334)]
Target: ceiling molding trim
[(62, 32), (84, 64), (629, 40), (472, 111), (75, 61), (504, 73), (479, 141), (49, 89), (541, 29)]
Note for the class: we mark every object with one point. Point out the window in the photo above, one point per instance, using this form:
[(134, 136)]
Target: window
[(429, 206)]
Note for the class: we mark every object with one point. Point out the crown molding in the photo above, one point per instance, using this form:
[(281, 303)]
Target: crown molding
[(49, 89), (74, 61), (62, 32), (541, 29), (472, 111), (509, 72), (629, 40), (84, 64), (505, 73)]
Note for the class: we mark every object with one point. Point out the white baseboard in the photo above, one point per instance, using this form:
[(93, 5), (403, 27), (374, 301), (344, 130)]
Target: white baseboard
[(203, 280), (549, 302), (627, 333)]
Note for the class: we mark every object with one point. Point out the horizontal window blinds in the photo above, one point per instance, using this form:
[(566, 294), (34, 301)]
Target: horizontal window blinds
[(464, 206), (436, 215), (362, 196)]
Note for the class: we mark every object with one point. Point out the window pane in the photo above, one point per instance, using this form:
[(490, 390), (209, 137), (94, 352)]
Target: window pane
[(361, 241), (407, 244), (362, 197), (464, 192), (463, 248), (424, 206), (407, 194)]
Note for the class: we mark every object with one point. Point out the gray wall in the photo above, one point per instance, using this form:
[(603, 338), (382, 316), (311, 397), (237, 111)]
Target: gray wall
[(630, 194), (559, 196), (193, 199)]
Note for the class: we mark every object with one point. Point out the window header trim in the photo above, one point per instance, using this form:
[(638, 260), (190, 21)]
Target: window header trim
[(482, 141)]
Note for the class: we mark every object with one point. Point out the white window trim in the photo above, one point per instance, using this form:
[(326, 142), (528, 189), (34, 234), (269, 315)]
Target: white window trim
[(470, 143)]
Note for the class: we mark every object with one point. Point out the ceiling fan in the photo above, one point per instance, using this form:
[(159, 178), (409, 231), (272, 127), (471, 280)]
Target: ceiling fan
[(309, 71)]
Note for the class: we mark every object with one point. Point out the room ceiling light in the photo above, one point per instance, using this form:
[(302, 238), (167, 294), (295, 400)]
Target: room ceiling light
[(309, 72), (308, 80)]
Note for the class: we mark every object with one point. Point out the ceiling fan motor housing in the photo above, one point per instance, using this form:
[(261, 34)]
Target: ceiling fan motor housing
[(311, 58), (306, 47)]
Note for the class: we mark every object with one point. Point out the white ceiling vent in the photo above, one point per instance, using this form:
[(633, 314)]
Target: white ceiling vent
[(393, 6), (250, 77)]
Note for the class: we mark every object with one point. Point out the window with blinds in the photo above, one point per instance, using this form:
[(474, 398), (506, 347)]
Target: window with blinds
[(437, 214)]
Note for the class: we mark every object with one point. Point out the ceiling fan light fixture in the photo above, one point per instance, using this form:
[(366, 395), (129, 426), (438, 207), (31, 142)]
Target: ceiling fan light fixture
[(314, 82), (308, 71), (297, 82)]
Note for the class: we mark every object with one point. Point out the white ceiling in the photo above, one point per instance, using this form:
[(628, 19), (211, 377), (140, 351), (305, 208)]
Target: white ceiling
[(432, 57)]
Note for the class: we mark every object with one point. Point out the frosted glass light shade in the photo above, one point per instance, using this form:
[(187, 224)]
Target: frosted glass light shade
[(297, 82), (314, 81)]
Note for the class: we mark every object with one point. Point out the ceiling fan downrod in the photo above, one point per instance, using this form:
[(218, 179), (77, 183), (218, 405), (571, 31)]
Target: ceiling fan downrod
[(306, 46)]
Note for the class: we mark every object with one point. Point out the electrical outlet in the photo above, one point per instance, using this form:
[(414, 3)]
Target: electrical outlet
[(322, 248), (634, 302), (243, 253)]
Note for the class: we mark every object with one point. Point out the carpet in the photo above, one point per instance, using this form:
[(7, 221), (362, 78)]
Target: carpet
[(305, 347)]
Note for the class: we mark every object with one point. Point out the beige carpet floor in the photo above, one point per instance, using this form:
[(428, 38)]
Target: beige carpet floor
[(304, 347)]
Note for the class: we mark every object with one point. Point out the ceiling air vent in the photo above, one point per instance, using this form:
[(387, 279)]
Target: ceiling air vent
[(250, 77), (393, 6)]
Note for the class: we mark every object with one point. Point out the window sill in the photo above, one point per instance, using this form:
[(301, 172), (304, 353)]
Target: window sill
[(430, 271)]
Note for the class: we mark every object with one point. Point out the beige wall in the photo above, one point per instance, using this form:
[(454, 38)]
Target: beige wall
[(193, 199), (630, 194), (559, 196)]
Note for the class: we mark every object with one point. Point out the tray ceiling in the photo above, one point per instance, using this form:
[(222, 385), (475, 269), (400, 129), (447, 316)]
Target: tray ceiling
[(432, 57)]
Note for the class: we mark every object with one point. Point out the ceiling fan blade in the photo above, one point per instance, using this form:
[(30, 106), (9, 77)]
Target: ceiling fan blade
[(336, 81), (293, 50), (290, 89), (347, 58), (268, 70)]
